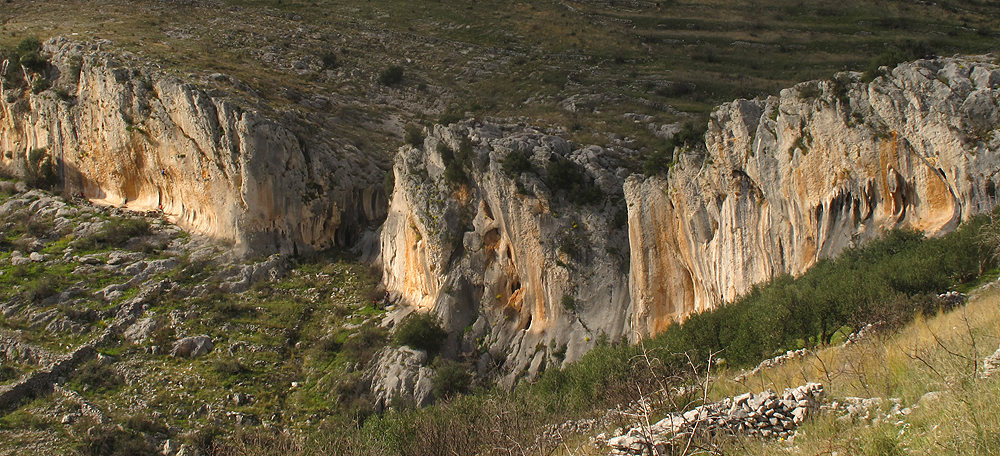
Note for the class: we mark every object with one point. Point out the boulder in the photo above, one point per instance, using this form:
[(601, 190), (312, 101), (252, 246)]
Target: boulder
[(192, 347), (142, 330), (399, 376)]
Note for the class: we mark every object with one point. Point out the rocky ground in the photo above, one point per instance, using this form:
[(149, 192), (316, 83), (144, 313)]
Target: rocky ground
[(113, 317)]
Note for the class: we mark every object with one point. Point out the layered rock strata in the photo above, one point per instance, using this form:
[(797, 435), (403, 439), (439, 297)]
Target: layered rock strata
[(128, 134), (781, 183)]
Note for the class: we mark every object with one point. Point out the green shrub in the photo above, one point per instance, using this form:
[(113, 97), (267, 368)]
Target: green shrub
[(421, 331), (894, 55), (115, 233), (28, 54), (95, 376), (569, 303), (414, 136), (114, 441), (228, 367), (365, 343), (41, 171), (8, 373), (454, 169), (329, 60), (41, 287), (28, 45), (658, 162), (450, 379), (391, 76), (516, 162), (40, 85), (572, 179), (450, 117)]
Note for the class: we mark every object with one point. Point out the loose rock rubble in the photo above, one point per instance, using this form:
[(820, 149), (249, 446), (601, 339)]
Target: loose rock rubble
[(776, 361), (991, 364), (765, 414)]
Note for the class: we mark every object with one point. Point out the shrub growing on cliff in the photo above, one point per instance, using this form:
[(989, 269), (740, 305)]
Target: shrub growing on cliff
[(414, 136), (40, 171), (515, 163), (454, 164), (40, 85), (571, 178), (421, 331)]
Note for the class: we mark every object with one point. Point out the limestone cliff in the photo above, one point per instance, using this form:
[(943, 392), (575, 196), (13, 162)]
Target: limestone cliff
[(126, 133), (525, 276), (791, 179), (519, 267)]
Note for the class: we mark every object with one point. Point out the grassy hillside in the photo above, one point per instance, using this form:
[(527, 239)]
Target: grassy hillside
[(595, 71)]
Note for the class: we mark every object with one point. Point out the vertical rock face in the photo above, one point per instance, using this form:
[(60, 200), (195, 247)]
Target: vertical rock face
[(781, 183), (522, 271), (131, 135), (795, 178)]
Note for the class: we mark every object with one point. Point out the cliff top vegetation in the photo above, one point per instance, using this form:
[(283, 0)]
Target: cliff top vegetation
[(620, 73)]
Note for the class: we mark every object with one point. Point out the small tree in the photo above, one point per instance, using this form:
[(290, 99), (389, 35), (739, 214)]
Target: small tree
[(421, 331), (391, 76)]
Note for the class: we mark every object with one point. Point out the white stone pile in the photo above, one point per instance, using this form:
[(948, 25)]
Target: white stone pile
[(764, 414), (991, 364), (776, 361)]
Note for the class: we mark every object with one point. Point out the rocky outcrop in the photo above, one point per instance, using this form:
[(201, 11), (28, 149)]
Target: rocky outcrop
[(788, 180), (764, 414), (192, 347), (526, 272), (128, 134), (400, 378)]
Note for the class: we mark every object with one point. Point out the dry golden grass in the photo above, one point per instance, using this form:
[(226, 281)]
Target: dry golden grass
[(941, 353)]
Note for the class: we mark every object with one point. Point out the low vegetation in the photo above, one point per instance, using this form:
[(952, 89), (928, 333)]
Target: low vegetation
[(920, 345)]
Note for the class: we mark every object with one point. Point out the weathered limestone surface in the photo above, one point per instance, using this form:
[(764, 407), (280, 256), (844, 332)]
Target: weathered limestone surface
[(781, 183), (792, 179), (129, 134), (518, 274)]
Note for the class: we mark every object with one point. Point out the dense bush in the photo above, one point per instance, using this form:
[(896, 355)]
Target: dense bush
[(515, 163), (660, 161), (571, 178), (894, 55), (450, 379), (115, 233), (421, 331), (114, 441), (40, 171), (40, 85), (454, 164), (8, 373), (414, 135), (391, 76), (96, 376)]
